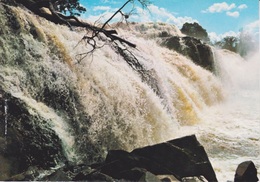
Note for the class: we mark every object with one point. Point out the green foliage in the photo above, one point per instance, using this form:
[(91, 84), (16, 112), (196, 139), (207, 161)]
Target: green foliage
[(71, 7), (244, 44), (229, 43)]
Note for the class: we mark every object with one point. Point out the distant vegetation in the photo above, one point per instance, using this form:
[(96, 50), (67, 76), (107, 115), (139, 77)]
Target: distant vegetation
[(243, 45)]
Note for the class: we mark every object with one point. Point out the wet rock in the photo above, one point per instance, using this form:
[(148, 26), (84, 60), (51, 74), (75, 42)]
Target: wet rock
[(59, 175), (194, 179), (166, 179), (246, 171), (93, 176), (29, 140), (199, 52), (139, 174), (83, 174), (181, 158), (164, 34), (3, 101), (17, 177), (174, 43), (29, 175)]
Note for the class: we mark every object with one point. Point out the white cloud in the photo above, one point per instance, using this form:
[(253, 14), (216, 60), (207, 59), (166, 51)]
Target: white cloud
[(253, 25), (214, 37), (109, 1), (219, 7), (251, 28), (153, 14), (234, 14), (242, 6), (101, 18), (101, 8), (156, 14), (158, 11), (225, 7)]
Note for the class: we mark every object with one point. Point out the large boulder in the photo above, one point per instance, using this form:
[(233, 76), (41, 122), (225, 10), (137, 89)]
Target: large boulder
[(139, 174), (181, 158), (199, 52)]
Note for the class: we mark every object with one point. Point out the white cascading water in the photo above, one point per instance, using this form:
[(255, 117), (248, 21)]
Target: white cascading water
[(232, 127), (230, 130), (125, 103), (126, 113)]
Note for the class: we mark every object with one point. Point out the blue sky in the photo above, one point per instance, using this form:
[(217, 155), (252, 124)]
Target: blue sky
[(218, 17)]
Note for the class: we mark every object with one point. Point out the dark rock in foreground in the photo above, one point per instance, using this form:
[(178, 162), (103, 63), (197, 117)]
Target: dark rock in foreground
[(246, 171), (181, 158)]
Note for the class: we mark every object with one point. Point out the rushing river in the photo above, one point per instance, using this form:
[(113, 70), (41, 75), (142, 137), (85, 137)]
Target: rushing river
[(237, 120), (123, 107), (230, 129)]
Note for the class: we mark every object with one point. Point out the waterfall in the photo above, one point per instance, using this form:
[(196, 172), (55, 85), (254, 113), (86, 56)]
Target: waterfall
[(112, 100), (236, 72), (125, 111), (230, 131)]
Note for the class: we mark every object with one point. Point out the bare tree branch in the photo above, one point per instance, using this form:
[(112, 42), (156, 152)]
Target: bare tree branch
[(91, 40), (118, 11)]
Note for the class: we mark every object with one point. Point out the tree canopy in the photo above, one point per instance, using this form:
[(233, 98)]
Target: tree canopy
[(195, 30), (229, 43), (244, 44), (72, 7)]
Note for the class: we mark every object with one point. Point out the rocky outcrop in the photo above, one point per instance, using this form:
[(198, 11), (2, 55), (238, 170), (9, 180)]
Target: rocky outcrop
[(28, 139), (199, 52), (195, 30), (37, 86), (182, 158)]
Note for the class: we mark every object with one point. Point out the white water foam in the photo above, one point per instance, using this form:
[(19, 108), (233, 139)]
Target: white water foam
[(230, 130)]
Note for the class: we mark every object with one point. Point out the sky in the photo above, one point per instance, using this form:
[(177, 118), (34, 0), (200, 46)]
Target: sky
[(220, 18)]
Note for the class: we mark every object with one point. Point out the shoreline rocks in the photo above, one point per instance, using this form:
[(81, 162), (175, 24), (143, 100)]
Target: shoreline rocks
[(182, 159)]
